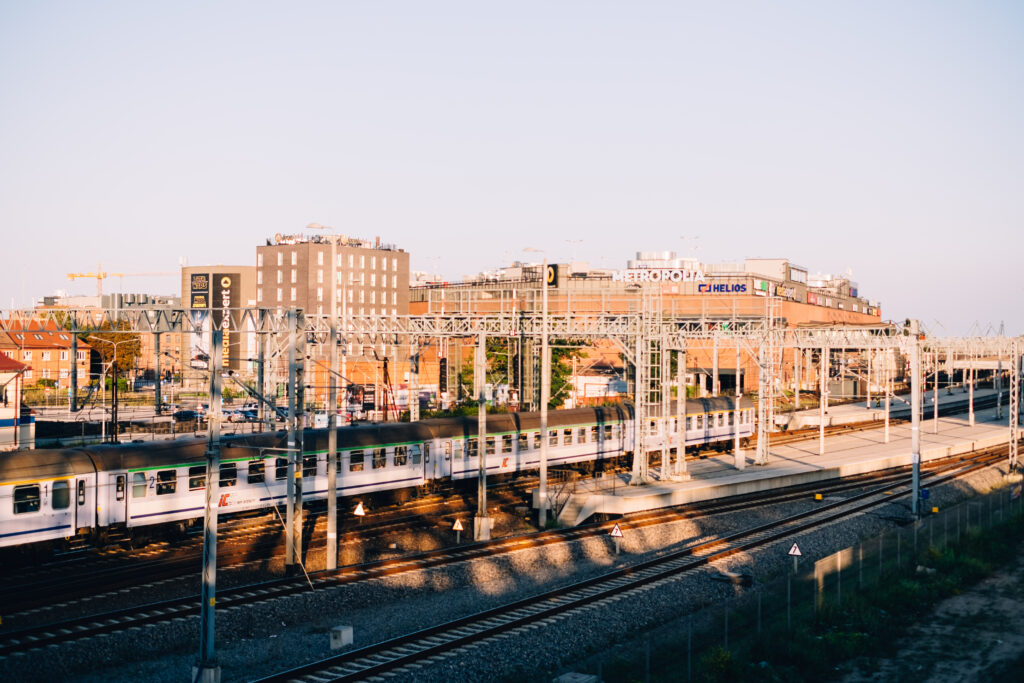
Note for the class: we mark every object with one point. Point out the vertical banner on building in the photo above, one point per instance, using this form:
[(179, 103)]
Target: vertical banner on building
[(224, 297), (199, 297)]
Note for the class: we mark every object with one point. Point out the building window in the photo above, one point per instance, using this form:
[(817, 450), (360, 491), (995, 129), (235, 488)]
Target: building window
[(373, 279), (280, 258), (28, 374), (279, 296), (351, 260), (294, 276), (337, 278), (259, 294), (373, 263), (46, 355), (64, 373), (319, 293), (280, 277), (339, 261), (394, 281), (46, 373), (373, 297), (337, 295), (319, 258), (384, 263), (63, 355), (320, 275), (259, 277), (259, 260), (362, 296), (394, 311), (362, 262), (350, 296), (362, 279), (293, 294), (26, 355), (295, 258), (83, 355), (394, 264)]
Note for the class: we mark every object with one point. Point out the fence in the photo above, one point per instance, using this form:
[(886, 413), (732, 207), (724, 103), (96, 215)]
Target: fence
[(701, 646)]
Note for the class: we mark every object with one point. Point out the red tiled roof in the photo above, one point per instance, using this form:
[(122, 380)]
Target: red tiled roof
[(10, 365)]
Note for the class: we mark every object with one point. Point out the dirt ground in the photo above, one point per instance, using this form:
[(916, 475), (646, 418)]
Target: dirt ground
[(977, 636)]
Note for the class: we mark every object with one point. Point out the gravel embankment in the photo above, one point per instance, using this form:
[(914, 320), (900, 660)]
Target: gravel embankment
[(257, 641)]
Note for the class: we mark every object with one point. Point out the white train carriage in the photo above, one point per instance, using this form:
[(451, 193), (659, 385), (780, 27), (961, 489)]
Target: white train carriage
[(50, 495), (45, 495)]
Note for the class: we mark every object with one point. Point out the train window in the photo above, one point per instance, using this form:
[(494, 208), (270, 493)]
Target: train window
[(81, 492), (197, 478), (380, 458), (523, 443), (652, 427), (228, 474), (280, 468), (732, 419), (506, 443), (119, 487), (536, 441), (26, 499), (607, 432), (700, 422), (414, 453), (355, 461), (61, 495), (595, 432), (491, 445), (567, 436), (553, 437), (426, 452), (401, 456), (721, 419), (138, 484), (309, 466), (581, 435), (256, 472), (471, 448), (166, 482), (448, 449)]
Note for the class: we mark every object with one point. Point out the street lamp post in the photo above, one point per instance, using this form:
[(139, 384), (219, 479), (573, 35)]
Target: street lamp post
[(103, 386)]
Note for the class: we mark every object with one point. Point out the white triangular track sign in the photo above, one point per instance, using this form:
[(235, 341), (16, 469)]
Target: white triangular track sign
[(616, 532), (359, 511), (795, 551)]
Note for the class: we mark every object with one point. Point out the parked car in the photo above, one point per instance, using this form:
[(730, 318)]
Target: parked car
[(185, 416)]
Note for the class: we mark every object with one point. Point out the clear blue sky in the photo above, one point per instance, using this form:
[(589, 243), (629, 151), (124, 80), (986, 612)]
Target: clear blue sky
[(883, 137)]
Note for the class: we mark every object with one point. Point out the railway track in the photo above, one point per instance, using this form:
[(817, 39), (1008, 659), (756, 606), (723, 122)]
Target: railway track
[(402, 653), (23, 640)]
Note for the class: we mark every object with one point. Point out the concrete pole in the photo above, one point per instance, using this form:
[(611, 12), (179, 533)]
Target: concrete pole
[(716, 386), (764, 367), (823, 402), (482, 523), (545, 396), (681, 409), (935, 394), (639, 401), (157, 398), (414, 382), (888, 392), (74, 370), (868, 390), (289, 523), (332, 447), (915, 412), (739, 458), (207, 670), (999, 386), (970, 391), (796, 378), (300, 424)]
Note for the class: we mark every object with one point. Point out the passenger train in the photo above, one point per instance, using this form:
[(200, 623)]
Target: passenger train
[(52, 495)]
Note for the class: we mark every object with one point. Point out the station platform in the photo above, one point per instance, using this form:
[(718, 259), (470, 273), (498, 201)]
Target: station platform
[(899, 408), (788, 465)]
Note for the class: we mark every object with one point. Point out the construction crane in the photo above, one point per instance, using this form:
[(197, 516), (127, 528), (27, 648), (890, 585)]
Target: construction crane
[(100, 275)]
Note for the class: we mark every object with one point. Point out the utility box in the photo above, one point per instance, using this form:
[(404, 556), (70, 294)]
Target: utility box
[(341, 636)]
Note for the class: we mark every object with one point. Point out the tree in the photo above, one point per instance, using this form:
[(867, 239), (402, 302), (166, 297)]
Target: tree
[(120, 349)]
